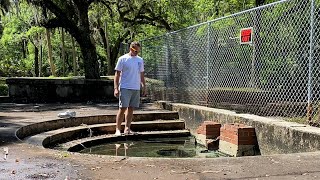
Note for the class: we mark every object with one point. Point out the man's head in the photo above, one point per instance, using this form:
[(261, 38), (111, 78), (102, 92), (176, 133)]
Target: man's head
[(134, 48)]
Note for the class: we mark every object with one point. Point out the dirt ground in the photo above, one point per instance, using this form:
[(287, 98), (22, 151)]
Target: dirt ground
[(25, 161)]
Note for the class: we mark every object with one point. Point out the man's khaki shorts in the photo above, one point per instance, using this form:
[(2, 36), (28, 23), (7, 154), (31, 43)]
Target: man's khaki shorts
[(129, 98)]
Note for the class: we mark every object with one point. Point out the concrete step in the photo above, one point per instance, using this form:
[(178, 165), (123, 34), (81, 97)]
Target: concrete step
[(78, 145), (44, 126), (51, 138)]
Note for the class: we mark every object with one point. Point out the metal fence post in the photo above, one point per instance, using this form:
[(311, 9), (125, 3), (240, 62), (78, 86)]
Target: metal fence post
[(168, 72), (309, 111), (207, 63)]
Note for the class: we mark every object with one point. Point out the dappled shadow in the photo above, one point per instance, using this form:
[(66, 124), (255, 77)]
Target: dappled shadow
[(7, 133), (14, 107), (7, 140), (10, 117), (8, 122)]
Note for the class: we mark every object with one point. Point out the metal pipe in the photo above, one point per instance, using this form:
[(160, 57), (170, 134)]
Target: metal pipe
[(309, 108)]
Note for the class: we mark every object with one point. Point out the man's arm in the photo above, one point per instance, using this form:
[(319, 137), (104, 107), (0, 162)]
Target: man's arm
[(143, 84), (116, 83)]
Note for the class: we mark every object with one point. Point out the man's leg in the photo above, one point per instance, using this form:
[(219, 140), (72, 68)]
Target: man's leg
[(124, 99), (129, 115), (119, 119), (134, 103)]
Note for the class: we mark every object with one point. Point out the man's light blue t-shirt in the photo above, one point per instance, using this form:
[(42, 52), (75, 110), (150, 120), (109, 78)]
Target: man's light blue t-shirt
[(130, 67)]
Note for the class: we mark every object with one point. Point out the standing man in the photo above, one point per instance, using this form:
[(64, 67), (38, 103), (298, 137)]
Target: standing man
[(129, 77)]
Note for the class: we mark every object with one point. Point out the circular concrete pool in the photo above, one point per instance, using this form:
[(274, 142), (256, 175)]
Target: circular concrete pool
[(178, 147)]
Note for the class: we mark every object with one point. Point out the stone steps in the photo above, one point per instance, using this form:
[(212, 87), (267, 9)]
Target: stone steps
[(58, 136), (76, 133), (78, 145), (55, 124)]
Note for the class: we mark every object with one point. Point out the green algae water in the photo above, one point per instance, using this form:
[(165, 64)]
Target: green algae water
[(182, 147)]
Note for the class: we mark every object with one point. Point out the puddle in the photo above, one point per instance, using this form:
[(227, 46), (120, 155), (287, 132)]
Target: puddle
[(182, 147)]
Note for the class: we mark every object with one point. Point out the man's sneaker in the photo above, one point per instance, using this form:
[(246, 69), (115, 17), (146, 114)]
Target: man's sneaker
[(118, 133), (130, 132)]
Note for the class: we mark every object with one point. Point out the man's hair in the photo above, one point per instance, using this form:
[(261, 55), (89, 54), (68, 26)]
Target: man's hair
[(134, 44)]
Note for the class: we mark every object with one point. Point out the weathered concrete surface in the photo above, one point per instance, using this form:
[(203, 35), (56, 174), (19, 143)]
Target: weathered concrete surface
[(34, 160), (274, 135), (237, 150)]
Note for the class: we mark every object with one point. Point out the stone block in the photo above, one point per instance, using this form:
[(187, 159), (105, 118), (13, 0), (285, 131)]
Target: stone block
[(238, 134), (238, 140)]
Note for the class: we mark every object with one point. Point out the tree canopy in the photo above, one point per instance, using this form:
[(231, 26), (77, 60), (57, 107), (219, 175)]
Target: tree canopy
[(84, 37)]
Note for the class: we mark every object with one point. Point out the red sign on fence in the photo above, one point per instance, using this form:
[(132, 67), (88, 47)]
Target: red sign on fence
[(246, 35)]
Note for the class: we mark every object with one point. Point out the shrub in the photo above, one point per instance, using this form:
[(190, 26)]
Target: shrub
[(3, 90)]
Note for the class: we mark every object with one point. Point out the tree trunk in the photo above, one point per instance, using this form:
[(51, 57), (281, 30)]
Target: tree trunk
[(216, 8), (91, 67), (105, 47), (114, 53), (63, 53), (53, 69), (259, 2), (23, 45), (107, 42), (86, 42), (41, 55), (74, 57), (36, 60), (113, 59)]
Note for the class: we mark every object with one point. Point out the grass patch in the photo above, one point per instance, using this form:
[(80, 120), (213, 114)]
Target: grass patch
[(300, 120)]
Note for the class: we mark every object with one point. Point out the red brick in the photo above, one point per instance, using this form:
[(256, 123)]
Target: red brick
[(209, 128), (238, 134)]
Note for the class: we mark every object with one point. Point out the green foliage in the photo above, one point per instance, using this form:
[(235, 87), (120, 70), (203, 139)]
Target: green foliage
[(14, 44), (3, 90), (3, 87), (143, 18)]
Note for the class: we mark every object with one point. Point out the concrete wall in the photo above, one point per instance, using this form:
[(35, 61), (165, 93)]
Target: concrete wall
[(275, 136), (59, 90)]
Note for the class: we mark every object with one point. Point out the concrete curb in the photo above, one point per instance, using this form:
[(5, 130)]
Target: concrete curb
[(275, 136)]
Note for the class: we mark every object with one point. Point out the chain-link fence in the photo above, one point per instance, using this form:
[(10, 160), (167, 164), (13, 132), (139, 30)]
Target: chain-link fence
[(277, 75)]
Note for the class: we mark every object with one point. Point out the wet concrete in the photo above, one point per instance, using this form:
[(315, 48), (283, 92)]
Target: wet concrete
[(22, 164)]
